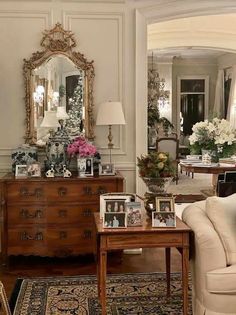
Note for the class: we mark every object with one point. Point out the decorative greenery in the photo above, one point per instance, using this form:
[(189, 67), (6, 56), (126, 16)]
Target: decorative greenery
[(155, 119), (155, 165), (75, 121), (216, 135), (62, 91)]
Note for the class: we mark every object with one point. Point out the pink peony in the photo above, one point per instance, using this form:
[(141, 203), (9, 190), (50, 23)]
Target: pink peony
[(81, 147)]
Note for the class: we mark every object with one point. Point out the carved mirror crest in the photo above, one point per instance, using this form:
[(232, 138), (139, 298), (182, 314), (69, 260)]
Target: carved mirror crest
[(58, 77)]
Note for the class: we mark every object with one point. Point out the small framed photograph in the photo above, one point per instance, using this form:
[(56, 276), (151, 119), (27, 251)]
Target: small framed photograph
[(81, 166), (34, 170), (115, 220), (134, 213), (113, 203), (165, 204), (89, 167), (163, 219), (106, 169), (21, 171)]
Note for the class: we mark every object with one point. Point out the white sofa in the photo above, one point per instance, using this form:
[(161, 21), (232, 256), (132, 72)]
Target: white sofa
[(213, 279)]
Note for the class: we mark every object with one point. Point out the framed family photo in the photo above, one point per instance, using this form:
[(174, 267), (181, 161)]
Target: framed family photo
[(134, 214), (89, 167), (106, 169), (114, 220), (163, 219), (34, 170), (85, 167), (113, 203), (165, 204), (21, 171)]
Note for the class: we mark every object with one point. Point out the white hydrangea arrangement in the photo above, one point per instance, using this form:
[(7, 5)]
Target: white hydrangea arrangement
[(216, 135)]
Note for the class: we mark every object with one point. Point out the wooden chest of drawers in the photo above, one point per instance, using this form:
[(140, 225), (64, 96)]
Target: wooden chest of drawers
[(51, 216)]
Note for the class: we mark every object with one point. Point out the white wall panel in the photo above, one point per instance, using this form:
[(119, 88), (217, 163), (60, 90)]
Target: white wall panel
[(100, 38)]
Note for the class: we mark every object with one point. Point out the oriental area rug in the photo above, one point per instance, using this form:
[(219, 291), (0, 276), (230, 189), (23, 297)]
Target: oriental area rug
[(127, 294)]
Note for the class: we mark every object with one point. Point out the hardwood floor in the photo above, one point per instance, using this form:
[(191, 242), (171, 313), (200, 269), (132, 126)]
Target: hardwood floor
[(151, 260)]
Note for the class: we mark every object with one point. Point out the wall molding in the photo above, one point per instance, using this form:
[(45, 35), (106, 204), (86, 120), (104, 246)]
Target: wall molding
[(125, 166), (46, 15), (119, 18)]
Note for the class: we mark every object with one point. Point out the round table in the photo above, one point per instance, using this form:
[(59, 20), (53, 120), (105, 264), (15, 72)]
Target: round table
[(214, 169)]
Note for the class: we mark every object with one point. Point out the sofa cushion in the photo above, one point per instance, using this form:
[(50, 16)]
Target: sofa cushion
[(222, 212), (222, 280)]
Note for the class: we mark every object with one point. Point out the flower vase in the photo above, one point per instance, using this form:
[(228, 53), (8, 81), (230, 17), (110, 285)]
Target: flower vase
[(209, 156), (157, 185)]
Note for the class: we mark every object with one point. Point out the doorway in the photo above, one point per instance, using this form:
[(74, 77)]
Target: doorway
[(193, 98)]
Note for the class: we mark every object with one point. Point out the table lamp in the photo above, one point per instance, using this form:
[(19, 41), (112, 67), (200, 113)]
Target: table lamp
[(50, 121), (110, 113), (61, 115)]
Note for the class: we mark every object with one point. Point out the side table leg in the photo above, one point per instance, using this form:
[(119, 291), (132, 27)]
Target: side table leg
[(167, 250), (185, 270), (98, 266), (102, 277)]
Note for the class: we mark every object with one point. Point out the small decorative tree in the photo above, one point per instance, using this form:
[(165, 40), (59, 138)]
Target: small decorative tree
[(75, 121)]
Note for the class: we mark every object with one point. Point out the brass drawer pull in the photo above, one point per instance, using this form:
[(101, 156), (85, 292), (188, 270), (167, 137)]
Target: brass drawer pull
[(24, 236), (62, 235), (62, 191), (38, 192), (87, 213), (62, 213), (100, 190), (87, 234), (25, 214)]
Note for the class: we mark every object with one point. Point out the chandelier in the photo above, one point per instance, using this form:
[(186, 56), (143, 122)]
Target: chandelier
[(157, 96)]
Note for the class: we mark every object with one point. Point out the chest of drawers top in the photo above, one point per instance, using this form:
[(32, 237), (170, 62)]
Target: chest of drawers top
[(59, 189)]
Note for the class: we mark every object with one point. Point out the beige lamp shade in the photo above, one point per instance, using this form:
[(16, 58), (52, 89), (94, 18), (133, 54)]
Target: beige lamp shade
[(50, 120), (110, 113), (61, 113)]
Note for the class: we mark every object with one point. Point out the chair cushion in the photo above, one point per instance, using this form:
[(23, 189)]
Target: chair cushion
[(222, 280), (222, 213)]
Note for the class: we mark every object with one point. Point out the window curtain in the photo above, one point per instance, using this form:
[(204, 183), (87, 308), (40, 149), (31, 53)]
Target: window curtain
[(231, 112), (219, 107)]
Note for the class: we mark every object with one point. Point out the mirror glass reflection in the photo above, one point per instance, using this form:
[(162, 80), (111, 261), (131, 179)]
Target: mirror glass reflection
[(58, 87)]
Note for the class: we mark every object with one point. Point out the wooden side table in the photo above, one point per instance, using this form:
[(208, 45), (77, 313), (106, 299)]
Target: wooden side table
[(145, 237)]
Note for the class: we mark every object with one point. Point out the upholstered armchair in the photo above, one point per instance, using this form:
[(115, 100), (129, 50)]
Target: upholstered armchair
[(213, 255)]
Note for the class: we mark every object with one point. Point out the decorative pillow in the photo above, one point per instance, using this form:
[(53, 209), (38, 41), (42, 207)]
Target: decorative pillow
[(222, 213)]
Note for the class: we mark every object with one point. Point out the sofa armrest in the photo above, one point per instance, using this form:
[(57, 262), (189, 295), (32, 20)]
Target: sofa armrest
[(207, 248)]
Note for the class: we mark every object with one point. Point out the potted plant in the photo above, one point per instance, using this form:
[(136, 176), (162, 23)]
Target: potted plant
[(157, 170)]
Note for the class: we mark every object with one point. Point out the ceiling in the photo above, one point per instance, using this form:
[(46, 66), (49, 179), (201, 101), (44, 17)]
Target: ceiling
[(186, 53)]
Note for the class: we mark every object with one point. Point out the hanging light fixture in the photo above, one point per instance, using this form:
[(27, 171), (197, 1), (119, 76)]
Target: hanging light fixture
[(157, 95)]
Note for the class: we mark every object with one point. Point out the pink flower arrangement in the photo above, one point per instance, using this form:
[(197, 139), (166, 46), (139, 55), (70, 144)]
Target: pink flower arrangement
[(80, 146)]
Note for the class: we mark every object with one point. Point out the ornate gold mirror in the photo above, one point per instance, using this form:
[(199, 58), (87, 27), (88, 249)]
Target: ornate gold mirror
[(58, 86)]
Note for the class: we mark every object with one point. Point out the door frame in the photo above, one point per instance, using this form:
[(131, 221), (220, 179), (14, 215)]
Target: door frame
[(206, 93)]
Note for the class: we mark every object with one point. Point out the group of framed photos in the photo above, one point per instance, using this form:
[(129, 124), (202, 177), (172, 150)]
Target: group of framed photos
[(30, 170), (120, 211), (85, 167), (164, 216)]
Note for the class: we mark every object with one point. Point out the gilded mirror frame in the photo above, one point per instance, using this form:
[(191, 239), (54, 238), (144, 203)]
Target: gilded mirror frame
[(58, 41)]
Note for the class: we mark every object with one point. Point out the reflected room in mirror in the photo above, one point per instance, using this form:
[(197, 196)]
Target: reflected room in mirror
[(59, 85)]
